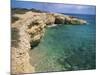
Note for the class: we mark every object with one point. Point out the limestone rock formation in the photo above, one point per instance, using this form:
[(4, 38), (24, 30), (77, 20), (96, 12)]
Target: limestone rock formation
[(27, 32), (65, 19), (50, 19)]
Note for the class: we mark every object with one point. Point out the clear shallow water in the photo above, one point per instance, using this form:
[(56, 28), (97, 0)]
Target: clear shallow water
[(66, 47)]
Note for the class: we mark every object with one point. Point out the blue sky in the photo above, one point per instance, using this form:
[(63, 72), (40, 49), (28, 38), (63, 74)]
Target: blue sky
[(55, 7)]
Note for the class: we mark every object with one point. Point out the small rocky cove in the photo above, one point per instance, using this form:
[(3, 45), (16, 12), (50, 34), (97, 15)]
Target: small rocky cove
[(27, 31)]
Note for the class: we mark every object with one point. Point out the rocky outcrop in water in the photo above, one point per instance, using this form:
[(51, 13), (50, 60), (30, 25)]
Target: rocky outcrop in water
[(64, 19), (27, 32)]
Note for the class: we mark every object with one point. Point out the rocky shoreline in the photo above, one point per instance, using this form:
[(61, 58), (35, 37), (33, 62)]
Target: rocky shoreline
[(27, 32)]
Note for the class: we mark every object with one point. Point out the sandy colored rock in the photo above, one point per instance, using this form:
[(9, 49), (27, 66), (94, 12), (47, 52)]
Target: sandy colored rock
[(29, 30)]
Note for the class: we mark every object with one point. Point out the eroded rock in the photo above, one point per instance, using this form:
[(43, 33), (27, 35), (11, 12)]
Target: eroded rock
[(31, 27)]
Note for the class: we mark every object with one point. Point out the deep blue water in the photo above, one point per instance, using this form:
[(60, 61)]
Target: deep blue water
[(67, 47)]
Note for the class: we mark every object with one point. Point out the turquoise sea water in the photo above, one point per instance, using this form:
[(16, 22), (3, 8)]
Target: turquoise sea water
[(67, 47)]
